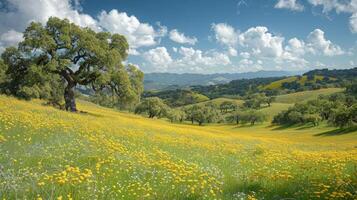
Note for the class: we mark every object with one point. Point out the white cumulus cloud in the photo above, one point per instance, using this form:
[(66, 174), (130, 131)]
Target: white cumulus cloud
[(159, 58), (181, 38), (289, 4), (340, 6), (138, 34), (225, 34), (262, 42), (19, 13), (318, 44)]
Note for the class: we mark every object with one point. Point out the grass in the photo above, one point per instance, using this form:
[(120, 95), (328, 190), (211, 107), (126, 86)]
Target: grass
[(104, 154), (274, 109), (302, 81), (218, 101), (306, 95)]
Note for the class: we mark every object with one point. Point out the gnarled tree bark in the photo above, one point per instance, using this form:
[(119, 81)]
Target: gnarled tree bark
[(70, 103)]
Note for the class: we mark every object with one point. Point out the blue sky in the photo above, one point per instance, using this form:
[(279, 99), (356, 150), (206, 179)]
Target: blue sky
[(208, 36)]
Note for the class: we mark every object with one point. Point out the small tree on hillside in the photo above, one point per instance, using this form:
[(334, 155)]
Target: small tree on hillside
[(269, 100), (227, 106), (153, 106), (254, 117), (341, 117), (175, 115)]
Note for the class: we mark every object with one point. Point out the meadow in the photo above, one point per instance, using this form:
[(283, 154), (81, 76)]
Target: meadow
[(105, 154)]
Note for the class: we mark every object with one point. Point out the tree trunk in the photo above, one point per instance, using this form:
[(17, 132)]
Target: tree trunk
[(70, 103)]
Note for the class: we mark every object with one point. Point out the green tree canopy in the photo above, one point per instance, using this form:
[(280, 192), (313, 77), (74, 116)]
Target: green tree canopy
[(74, 55), (153, 106)]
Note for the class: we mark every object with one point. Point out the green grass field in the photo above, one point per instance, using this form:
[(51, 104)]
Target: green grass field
[(306, 95), (218, 101), (104, 154), (302, 81)]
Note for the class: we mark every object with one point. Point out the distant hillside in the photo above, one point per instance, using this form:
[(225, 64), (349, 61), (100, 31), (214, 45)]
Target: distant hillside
[(159, 81), (306, 95), (302, 80), (337, 73)]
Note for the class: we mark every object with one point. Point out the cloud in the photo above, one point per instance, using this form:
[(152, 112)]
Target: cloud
[(232, 51), (258, 43), (353, 23), (9, 38), (178, 37), (19, 13), (289, 4), (261, 42), (250, 65), (346, 6), (245, 55), (296, 47), (192, 57), (189, 59), (138, 34), (159, 58), (225, 34), (318, 44)]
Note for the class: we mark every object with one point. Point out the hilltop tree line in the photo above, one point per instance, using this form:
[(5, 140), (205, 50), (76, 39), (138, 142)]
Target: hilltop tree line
[(56, 58), (338, 109), (205, 113)]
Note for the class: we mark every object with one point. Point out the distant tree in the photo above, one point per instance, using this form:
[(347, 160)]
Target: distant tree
[(246, 116), (312, 118), (325, 108), (200, 114), (3, 69), (227, 106), (212, 113), (175, 115), (237, 116), (353, 113), (254, 117), (153, 106), (295, 117), (352, 89), (256, 100), (269, 100), (189, 112), (203, 113), (310, 77), (78, 56), (341, 117)]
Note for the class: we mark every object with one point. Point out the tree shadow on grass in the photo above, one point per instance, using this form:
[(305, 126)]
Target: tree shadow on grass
[(283, 127), (338, 131), (291, 126)]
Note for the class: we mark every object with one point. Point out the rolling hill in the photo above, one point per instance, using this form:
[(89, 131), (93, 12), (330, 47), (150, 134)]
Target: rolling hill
[(165, 81), (52, 154), (299, 79), (306, 95)]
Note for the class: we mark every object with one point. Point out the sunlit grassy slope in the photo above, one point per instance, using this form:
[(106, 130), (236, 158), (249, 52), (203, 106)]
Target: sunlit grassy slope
[(218, 101), (104, 154), (302, 81), (306, 95)]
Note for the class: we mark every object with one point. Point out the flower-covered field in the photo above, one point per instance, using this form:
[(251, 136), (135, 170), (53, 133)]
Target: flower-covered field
[(103, 154)]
